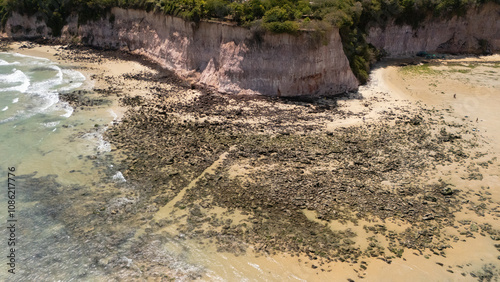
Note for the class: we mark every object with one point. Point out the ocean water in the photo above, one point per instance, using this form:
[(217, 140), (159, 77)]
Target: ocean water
[(30, 103), (44, 139)]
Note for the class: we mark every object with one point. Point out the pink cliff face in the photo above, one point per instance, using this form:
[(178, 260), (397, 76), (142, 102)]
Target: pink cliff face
[(234, 60), (226, 58)]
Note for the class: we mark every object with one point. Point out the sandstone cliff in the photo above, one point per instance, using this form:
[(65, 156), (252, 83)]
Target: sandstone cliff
[(234, 60), (227, 58), (476, 32)]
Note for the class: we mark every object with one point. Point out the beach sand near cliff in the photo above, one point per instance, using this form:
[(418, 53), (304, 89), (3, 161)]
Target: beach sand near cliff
[(396, 181)]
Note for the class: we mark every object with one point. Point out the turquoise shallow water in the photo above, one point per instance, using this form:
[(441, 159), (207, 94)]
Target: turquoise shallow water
[(29, 102), (43, 138)]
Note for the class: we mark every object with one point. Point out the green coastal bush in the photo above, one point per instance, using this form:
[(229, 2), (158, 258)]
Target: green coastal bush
[(282, 27), (352, 17)]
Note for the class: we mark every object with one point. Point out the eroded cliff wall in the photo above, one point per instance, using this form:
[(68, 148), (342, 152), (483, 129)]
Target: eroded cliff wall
[(23, 27), (476, 32), (235, 60), (227, 58)]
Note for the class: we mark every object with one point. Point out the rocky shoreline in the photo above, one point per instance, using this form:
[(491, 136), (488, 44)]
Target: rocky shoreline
[(337, 174), (267, 175), (280, 161)]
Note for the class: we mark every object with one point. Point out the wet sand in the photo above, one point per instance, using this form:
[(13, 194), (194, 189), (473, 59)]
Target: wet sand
[(171, 190)]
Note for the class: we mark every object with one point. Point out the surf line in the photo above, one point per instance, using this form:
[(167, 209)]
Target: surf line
[(11, 219)]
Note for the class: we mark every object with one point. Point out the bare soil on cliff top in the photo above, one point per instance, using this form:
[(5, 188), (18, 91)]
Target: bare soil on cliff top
[(395, 181)]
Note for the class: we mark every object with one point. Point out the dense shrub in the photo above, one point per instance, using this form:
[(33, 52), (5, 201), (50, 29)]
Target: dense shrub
[(217, 8), (283, 27)]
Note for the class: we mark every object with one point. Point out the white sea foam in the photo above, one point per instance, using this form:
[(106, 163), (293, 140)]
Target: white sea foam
[(102, 146), (8, 119), (37, 59), (118, 177), (64, 106), (256, 266), (59, 75), (74, 79), (15, 77), (49, 88), (51, 124), (69, 111), (113, 114), (49, 99), (5, 63), (42, 88), (6, 108), (71, 86), (51, 83)]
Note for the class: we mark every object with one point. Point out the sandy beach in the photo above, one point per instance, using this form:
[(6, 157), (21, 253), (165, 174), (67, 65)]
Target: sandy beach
[(398, 180)]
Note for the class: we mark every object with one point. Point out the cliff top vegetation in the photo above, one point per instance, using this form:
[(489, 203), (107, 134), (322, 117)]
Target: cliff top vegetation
[(352, 17)]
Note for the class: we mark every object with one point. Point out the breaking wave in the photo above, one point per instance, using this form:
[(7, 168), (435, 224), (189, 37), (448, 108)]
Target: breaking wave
[(33, 84)]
